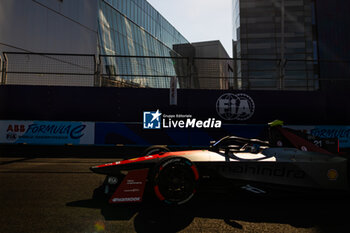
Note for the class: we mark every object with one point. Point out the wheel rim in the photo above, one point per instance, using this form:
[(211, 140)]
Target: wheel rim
[(176, 183)]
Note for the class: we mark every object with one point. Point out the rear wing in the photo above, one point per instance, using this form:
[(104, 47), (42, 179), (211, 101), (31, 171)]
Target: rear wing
[(285, 137)]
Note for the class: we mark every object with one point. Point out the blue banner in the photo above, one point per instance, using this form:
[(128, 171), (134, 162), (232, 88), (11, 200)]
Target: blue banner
[(47, 132)]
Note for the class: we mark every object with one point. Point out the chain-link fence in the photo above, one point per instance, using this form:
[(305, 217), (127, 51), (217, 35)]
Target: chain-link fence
[(150, 71), (157, 72), (49, 69), (272, 74)]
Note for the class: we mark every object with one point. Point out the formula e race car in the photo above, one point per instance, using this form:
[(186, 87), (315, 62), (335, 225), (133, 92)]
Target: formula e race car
[(289, 159)]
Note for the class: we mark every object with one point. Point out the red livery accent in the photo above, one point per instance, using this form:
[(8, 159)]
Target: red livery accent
[(132, 187), (146, 158), (195, 172), (140, 159), (158, 194), (301, 143)]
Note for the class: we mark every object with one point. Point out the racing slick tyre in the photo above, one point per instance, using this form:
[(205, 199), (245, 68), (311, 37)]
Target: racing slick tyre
[(175, 181), (152, 150)]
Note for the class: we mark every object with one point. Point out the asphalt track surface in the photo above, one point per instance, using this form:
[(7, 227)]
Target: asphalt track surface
[(54, 195)]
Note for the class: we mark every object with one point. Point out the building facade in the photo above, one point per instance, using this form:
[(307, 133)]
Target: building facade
[(131, 28), (210, 67), (333, 36), (113, 30), (48, 26), (276, 44)]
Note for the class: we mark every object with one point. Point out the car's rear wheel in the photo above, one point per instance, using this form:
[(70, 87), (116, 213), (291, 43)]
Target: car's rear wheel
[(175, 181)]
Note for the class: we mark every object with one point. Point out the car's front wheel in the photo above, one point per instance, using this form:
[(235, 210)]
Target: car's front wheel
[(156, 149), (175, 181)]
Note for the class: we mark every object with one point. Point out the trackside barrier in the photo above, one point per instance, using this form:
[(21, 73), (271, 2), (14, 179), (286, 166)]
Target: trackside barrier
[(132, 134), (47, 132)]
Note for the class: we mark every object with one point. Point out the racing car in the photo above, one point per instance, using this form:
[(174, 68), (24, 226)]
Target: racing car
[(289, 159)]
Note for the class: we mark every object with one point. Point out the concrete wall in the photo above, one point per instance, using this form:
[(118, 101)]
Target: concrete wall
[(48, 26), (107, 104)]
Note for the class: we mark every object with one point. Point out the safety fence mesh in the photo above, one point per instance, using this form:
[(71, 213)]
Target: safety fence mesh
[(49, 69), (160, 72)]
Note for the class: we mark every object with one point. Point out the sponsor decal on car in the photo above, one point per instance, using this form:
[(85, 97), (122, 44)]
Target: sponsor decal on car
[(126, 199), (131, 188), (262, 170), (332, 174), (131, 182)]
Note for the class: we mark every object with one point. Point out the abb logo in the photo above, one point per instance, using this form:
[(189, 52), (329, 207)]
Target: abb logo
[(16, 128)]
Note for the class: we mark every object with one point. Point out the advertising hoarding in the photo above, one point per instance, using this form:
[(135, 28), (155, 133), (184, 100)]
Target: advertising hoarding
[(107, 133), (342, 132), (47, 132)]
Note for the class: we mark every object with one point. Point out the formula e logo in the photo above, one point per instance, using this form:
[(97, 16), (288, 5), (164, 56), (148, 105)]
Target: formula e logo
[(235, 107), (151, 120)]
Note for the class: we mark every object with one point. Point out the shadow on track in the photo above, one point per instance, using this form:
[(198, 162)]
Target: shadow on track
[(327, 215)]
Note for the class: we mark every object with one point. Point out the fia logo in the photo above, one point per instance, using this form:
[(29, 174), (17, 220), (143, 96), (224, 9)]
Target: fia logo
[(235, 107), (151, 120)]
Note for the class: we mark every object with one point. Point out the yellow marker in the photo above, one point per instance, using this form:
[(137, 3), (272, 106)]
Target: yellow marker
[(99, 226), (332, 174), (276, 123)]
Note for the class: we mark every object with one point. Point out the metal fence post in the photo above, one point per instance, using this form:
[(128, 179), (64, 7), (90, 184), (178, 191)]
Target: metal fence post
[(98, 75), (4, 70), (189, 72), (283, 64), (96, 71), (2, 75)]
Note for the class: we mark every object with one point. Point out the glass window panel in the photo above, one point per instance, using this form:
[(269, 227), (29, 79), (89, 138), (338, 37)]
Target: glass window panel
[(147, 19), (116, 42), (124, 26), (137, 15), (114, 21), (119, 22), (124, 6), (128, 8), (109, 16), (119, 4), (121, 43), (132, 11), (103, 8), (114, 3), (135, 36), (139, 35), (127, 50)]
